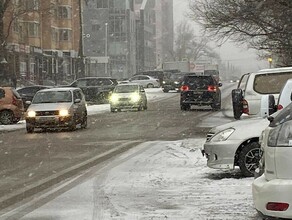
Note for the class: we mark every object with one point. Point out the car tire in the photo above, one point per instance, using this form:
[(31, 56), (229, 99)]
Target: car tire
[(113, 110), (165, 90), (6, 117), (185, 107), (72, 126), (84, 122), (249, 158), (216, 106), (150, 85), (29, 128)]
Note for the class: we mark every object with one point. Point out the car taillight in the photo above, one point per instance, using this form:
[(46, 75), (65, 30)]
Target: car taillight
[(245, 107), (14, 101), (280, 107), (212, 89), (277, 206), (184, 88)]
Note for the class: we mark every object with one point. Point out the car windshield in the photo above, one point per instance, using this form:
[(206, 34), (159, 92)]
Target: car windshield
[(52, 97), (126, 89)]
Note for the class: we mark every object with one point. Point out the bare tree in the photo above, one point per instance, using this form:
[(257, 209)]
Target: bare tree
[(264, 25), (190, 46)]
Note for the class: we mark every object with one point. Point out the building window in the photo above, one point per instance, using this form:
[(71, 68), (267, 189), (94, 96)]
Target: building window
[(65, 35), (95, 27), (54, 34), (33, 29), (64, 12), (32, 4), (102, 3)]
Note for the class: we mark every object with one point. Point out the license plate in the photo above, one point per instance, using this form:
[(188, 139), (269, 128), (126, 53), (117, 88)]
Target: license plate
[(46, 119)]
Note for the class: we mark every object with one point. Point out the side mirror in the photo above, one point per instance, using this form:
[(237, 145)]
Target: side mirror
[(77, 100), (220, 84), (268, 105), (28, 102), (237, 98)]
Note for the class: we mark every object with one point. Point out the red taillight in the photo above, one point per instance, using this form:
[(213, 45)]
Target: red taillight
[(277, 206), (280, 107), (212, 88), (245, 107), (14, 101), (184, 88)]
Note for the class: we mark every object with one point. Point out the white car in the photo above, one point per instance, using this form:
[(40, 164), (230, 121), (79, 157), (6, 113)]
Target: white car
[(56, 108), (128, 96), (145, 81), (272, 190), (237, 143), (252, 86)]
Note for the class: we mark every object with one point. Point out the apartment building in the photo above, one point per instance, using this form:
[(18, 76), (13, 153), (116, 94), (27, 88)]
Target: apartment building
[(43, 40), (109, 38)]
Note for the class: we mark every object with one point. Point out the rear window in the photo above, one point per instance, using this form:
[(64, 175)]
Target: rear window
[(198, 80), (271, 83)]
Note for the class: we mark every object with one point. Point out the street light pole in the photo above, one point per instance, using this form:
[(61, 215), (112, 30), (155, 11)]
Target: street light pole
[(105, 52)]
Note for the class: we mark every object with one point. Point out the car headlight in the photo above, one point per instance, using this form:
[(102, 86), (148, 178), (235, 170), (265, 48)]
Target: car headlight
[(114, 98), (31, 114), (63, 112), (176, 82), (163, 82), (135, 97), (222, 135)]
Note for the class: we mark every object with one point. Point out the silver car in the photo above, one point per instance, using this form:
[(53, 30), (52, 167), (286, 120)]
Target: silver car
[(57, 108), (128, 96), (145, 81)]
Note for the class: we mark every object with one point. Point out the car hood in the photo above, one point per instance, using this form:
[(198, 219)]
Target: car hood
[(49, 106), (244, 128)]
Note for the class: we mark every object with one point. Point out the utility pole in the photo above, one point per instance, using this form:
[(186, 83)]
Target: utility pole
[(81, 49)]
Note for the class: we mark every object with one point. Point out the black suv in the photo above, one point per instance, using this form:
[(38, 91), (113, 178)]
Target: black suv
[(95, 89), (172, 81), (200, 90)]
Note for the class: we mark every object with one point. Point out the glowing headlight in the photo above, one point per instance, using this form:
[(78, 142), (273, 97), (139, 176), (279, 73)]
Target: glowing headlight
[(176, 82), (31, 114), (114, 98), (135, 97), (223, 135), (63, 112), (163, 82)]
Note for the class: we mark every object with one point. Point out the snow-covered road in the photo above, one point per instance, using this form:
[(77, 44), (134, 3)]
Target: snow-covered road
[(156, 180)]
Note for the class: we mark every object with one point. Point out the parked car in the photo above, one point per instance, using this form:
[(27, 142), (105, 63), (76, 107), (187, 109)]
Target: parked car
[(145, 81), (236, 144), (128, 96), (272, 191), (200, 90), (252, 86), (11, 106), (172, 81), (27, 93), (57, 108), (95, 89), (157, 74)]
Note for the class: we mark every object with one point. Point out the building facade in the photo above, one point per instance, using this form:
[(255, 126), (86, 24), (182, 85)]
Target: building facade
[(109, 41), (42, 40)]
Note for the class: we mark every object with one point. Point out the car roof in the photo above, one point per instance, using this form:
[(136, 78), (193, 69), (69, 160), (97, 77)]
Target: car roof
[(130, 83), (275, 70), (96, 77), (60, 89)]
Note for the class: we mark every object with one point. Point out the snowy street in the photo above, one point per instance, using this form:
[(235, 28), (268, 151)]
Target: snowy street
[(156, 180)]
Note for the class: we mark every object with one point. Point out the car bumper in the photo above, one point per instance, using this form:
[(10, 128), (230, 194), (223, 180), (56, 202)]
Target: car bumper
[(277, 190), (220, 155), (125, 105), (50, 121)]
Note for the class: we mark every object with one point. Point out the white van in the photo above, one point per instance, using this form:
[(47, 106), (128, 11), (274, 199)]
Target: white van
[(252, 86)]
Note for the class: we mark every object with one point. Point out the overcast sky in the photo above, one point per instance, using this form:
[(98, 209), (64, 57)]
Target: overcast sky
[(237, 56)]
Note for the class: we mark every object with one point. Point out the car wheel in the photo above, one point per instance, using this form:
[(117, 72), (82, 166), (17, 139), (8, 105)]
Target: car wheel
[(237, 98), (6, 117), (29, 128), (113, 110), (249, 159), (72, 125), (185, 107), (165, 90), (84, 121), (216, 106), (150, 85)]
